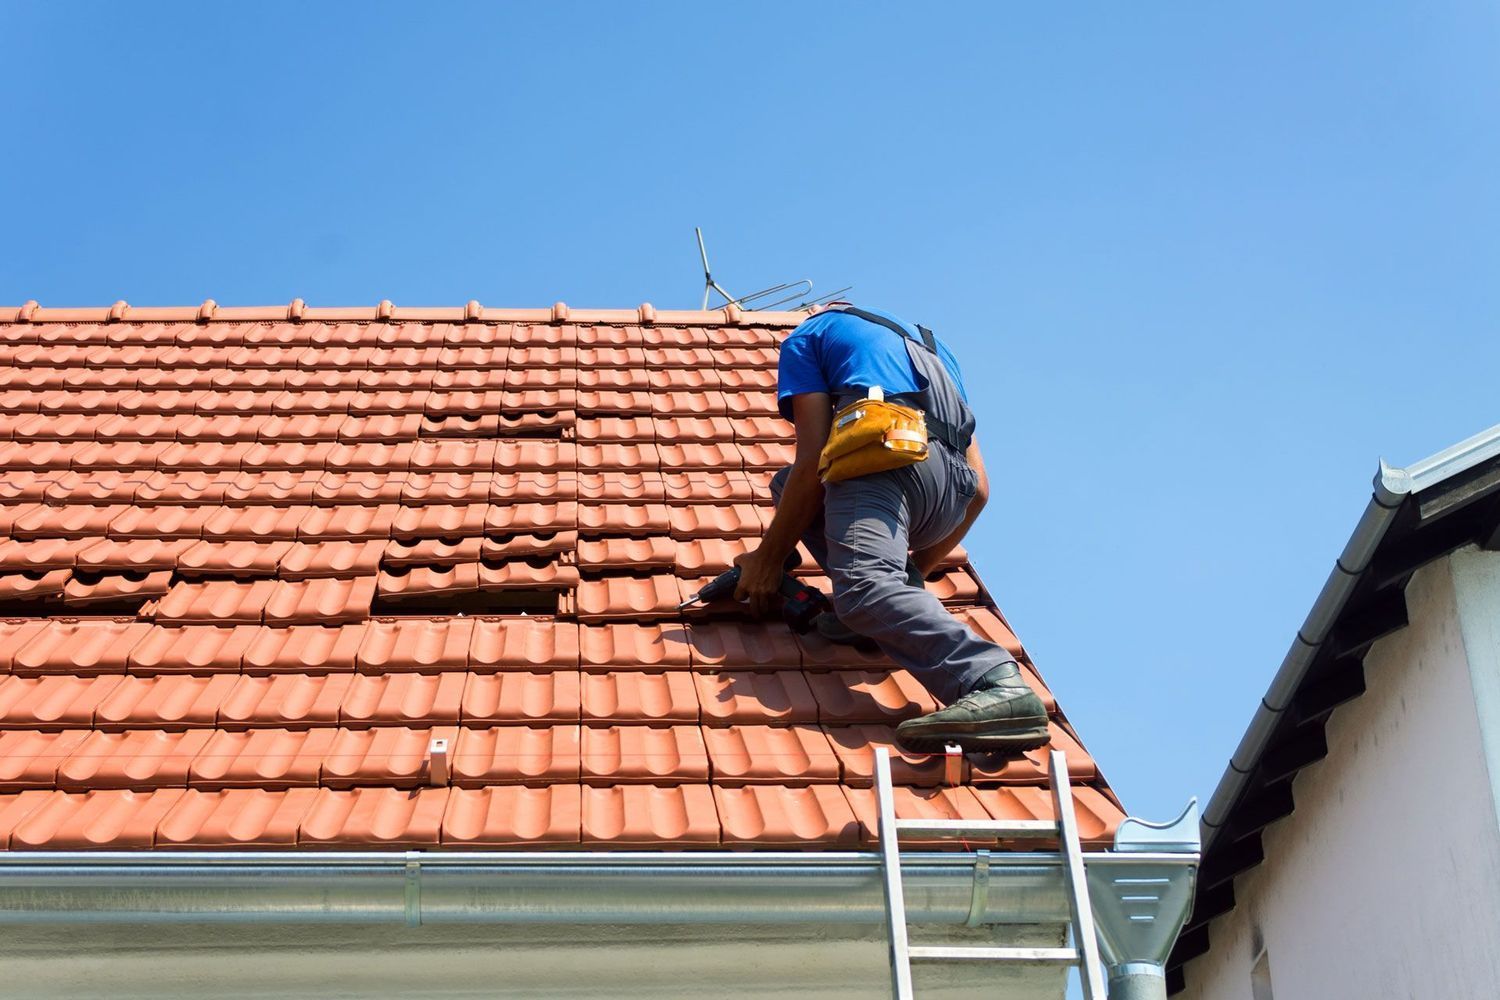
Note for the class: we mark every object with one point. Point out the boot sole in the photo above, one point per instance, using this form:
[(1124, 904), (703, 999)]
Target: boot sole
[(1014, 741)]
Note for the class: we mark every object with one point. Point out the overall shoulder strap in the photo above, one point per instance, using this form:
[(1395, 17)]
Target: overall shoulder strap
[(954, 437), (928, 341)]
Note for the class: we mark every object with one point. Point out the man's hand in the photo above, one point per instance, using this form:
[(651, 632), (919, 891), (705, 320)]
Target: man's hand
[(760, 581)]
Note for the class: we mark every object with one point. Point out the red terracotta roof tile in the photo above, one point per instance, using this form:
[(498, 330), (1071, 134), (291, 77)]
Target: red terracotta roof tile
[(848, 696), (523, 644), (778, 755), (521, 697), (103, 820), (135, 555), (744, 696), (529, 574), (30, 759), (307, 560), (236, 817), (190, 649), (384, 755), (779, 816), (136, 758), (715, 645), (239, 559), (1097, 815), (635, 696), (305, 649), (426, 645), (633, 647), (33, 586), (325, 599), (647, 816), (80, 647), (205, 602), (419, 582), (530, 518), (370, 816), (651, 754), (855, 747), (623, 487), (298, 700), (917, 803), (14, 635), (91, 591), (52, 701), (708, 487), (512, 815), (498, 548), (624, 597), (404, 699), (164, 700), (504, 755), (42, 553), (716, 521)]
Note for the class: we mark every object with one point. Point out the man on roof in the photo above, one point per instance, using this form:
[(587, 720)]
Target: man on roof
[(878, 534)]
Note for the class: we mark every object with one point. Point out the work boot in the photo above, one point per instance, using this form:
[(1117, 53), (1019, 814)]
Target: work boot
[(1000, 715)]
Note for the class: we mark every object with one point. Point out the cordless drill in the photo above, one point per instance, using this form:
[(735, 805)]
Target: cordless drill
[(800, 604)]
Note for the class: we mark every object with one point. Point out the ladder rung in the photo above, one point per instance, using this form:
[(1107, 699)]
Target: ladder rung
[(1035, 956), (990, 828)]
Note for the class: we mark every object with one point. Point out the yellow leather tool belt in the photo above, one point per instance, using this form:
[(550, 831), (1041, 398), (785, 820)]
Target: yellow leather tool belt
[(872, 435)]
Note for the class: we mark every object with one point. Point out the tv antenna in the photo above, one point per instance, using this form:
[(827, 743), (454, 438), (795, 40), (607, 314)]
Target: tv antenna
[(798, 289)]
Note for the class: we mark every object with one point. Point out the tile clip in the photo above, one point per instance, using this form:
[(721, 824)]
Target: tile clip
[(437, 762), (953, 764)]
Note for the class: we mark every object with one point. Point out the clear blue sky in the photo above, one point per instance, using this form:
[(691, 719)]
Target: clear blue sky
[(1203, 263)]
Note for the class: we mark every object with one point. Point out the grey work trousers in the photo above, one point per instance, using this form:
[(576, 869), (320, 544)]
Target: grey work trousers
[(861, 539)]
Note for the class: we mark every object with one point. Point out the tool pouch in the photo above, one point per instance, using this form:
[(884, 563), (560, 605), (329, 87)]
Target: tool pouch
[(872, 435)]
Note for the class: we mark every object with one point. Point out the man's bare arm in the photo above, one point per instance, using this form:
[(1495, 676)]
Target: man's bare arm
[(801, 499), (928, 559)]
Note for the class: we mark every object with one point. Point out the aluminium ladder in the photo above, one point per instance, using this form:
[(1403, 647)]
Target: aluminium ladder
[(1084, 952)]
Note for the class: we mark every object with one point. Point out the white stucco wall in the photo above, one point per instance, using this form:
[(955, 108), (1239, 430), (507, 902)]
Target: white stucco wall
[(1385, 882)]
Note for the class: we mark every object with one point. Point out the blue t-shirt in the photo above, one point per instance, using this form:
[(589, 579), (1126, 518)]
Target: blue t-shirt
[(835, 352)]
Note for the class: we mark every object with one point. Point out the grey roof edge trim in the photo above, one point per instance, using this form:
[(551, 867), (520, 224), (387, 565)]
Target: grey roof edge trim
[(1391, 488)]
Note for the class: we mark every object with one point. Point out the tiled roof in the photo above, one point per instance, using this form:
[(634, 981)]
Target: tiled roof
[(341, 578)]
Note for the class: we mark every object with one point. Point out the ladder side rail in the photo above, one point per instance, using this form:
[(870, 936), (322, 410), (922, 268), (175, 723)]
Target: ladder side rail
[(890, 868), (1090, 970)]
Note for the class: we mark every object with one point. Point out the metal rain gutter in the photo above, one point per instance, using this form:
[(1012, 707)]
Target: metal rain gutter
[(421, 887), (1392, 487)]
